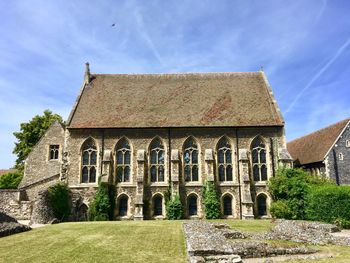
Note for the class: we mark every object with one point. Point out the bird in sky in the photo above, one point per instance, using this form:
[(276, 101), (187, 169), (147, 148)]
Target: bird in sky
[(113, 25)]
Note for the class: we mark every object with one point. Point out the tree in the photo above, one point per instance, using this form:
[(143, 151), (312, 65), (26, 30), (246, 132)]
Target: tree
[(10, 180), (211, 201), (30, 133), (289, 190)]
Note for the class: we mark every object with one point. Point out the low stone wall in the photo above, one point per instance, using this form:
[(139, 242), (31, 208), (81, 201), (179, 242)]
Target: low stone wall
[(10, 204)]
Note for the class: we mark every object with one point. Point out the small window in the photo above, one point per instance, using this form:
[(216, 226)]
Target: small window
[(54, 149), (347, 143), (341, 157)]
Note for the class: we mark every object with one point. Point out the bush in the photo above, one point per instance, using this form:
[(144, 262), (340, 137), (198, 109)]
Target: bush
[(211, 201), (102, 206), (281, 209), (329, 203), (10, 180), (60, 201), (292, 186), (174, 208)]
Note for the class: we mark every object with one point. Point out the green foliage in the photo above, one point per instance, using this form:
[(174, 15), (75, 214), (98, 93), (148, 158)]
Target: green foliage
[(30, 133), (174, 208), (292, 186), (329, 203), (211, 201), (102, 206), (281, 209), (60, 201), (10, 180)]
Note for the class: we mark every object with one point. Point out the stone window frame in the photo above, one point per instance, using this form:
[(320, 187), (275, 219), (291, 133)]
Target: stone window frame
[(347, 143), (267, 202), (157, 165), (55, 151), (81, 166), (191, 165), (130, 165), (259, 163), (225, 164), (155, 195), (128, 211), (232, 204), (188, 205), (341, 157)]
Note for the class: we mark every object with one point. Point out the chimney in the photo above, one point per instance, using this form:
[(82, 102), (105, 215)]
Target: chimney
[(87, 77)]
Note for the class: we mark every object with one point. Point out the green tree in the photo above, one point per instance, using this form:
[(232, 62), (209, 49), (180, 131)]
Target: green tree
[(102, 206), (30, 133), (290, 188), (211, 201), (60, 200), (10, 180), (174, 208)]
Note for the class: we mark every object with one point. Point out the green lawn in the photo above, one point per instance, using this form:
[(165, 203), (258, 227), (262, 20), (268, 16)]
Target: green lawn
[(126, 241), (147, 241)]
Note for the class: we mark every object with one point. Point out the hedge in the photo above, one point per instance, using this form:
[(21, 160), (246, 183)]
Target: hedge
[(174, 208), (10, 180), (60, 201), (329, 203)]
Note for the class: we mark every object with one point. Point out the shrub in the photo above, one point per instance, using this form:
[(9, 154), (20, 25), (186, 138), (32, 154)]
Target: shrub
[(293, 185), (10, 180), (102, 206), (281, 209), (211, 201), (174, 208), (60, 200), (329, 203)]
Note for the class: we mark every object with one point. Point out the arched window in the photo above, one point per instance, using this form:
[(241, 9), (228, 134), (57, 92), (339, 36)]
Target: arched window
[(224, 160), (157, 161), (227, 205), (123, 154), (158, 205), (261, 200), (192, 205), (190, 160), (259, 160), (89, 161), (123, 206)]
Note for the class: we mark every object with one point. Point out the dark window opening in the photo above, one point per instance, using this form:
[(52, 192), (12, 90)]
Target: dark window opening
[(262, 211), (227, 205), (54, 150), (158, 206), (192, 205), (123, 206)]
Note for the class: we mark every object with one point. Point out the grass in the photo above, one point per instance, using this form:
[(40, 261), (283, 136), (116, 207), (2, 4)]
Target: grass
[(147, 241), (126, 241)]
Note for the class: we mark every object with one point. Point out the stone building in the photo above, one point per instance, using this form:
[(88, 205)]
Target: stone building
[(325, 152), (154, 135)]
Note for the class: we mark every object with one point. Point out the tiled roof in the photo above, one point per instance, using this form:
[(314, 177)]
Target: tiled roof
[(5, 171), (176, 100), (314, 146)]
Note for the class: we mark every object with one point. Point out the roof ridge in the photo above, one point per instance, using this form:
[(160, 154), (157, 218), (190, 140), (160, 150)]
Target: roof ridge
[(322, 129), (178, 74)]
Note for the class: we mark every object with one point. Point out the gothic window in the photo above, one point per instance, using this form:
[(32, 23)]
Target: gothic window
[(259, 160), (261, 200), (89, 161), (157, 161), (54, 149), (227, 205), (190, 160), (224, 160), (123, 206), (158, 205), (341, 157), (192, 205), (347, 143), (123, 156)]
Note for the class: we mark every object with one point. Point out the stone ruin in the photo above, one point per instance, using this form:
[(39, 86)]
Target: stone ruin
[(213, 242), (42, 210), (9, 225)]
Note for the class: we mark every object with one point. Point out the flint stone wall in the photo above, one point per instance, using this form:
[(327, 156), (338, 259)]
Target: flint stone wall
[(42, 210), (10, 204)]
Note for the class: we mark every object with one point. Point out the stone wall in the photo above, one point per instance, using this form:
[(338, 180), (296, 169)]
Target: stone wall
[(38, 165), (12, 205), (337, 169), (173, 140)]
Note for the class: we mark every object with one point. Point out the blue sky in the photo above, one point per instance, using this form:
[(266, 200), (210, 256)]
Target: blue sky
[(303, 46)]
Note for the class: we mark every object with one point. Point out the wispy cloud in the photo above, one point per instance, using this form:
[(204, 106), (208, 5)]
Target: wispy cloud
[(319, 73)]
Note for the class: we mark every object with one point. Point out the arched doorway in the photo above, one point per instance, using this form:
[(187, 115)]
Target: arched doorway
[(82, 213), (192, 205), (262, 209), (158, 205), (123, 206), (227, 205)]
